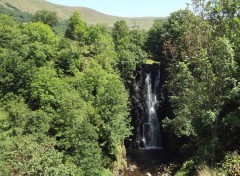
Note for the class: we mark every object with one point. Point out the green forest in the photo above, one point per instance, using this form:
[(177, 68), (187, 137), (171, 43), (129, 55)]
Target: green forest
[(65, 90)]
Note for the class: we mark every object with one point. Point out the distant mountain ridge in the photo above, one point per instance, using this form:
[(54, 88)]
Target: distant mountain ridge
[(89, 15)]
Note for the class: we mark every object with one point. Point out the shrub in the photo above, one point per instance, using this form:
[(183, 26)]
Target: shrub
[(231, 164)]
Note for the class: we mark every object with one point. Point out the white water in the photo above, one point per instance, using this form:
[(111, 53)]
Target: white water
[(151, 131)]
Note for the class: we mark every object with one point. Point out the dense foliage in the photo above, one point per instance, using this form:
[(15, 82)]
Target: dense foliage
[(63, 104), (199, 53)]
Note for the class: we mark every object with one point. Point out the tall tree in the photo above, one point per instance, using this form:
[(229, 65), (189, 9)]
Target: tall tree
[(77, 28), (47, 17), (129, 52)]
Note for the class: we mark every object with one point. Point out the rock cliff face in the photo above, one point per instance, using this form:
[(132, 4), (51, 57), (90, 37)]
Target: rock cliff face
[(142, 108)]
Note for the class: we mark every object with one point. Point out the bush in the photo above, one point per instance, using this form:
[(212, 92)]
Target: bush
[(231, 164), (186, 168)]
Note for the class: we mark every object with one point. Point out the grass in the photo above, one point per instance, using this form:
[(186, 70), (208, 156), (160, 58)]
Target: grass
[(89, 15), (205, 171), (150, 61)]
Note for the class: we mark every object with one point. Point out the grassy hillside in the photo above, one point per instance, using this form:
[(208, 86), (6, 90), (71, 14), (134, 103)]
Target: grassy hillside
[(89, 15)]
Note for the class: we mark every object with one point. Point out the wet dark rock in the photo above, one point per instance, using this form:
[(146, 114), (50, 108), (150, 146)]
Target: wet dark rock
[(139, 104)]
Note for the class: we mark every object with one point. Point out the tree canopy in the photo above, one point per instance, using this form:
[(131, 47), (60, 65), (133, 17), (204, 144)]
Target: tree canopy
[(62, 97), (199, 55)]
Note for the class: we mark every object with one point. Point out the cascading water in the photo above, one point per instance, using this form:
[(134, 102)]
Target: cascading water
[(151, 131), (149, 145)]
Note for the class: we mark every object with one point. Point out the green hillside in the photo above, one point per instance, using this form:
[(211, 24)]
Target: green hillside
[(89, 15)]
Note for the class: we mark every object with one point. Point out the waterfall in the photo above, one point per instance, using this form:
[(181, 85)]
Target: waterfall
[(147, 108), (151, 131)]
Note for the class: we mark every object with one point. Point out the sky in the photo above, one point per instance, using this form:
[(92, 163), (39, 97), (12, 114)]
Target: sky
[(129, 8)]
